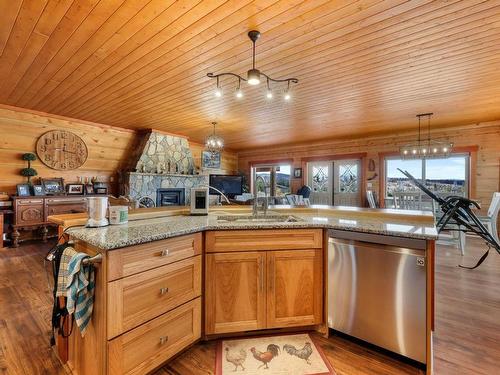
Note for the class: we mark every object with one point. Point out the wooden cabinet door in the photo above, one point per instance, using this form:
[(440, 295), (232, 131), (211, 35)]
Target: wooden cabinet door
[(295, 288), (235, 292), (29, 212)]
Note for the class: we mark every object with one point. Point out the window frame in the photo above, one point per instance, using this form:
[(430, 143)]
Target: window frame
[(273, 180), (470, 151)]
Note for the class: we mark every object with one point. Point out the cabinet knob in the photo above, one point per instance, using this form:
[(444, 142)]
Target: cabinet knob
[(164, 253), (163, 291), (163, 340)]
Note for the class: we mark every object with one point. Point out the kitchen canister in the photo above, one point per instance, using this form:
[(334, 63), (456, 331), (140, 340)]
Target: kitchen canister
[(118, 215)]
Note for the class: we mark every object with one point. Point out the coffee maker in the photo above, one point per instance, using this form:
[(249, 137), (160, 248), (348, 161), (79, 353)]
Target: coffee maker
[(97, 209)]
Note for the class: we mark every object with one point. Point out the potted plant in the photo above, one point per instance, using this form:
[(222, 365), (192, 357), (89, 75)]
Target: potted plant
[(29, 172)]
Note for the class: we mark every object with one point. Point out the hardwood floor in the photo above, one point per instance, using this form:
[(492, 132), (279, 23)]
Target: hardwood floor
[(465, 342)]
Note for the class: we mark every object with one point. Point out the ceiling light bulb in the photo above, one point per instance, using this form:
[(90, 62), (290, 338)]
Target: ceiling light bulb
[(445, 149), (218, 92), (434, 150), (239, 94), (269, 94), (288, 96), (253, 77), (414, 151), (424, 150), (405, 152)]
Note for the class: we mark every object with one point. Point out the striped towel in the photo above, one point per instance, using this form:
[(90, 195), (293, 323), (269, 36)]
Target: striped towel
[(62, 277), (80, 291)]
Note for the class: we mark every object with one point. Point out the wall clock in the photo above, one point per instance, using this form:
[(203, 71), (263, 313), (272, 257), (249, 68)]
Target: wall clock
[(62, 150)]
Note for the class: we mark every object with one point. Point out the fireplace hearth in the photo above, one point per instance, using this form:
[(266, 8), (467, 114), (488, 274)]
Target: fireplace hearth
[(170, 197)]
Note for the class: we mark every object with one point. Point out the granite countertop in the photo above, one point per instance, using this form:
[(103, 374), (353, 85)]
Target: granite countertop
[(420, 225)]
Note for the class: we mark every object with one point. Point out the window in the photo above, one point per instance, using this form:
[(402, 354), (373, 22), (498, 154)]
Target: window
[(445, 177), (276, 178), (320, 178), (348, 178)]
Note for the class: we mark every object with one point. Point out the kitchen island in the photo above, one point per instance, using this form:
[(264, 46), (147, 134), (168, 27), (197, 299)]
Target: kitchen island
[(261, 275)]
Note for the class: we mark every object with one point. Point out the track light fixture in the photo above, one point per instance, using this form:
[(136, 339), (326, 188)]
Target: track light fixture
[(254, 76), (426, 148)]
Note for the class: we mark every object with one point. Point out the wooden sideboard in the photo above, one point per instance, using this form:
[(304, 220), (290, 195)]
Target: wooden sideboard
[(30, 213)]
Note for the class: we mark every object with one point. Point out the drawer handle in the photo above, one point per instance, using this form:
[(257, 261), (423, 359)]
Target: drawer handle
[(164, 253), (163, 291), (163, 340)]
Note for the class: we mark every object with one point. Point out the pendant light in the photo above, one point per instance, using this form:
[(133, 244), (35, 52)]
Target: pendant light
[(254, 76), (426, 148), (214, 143)]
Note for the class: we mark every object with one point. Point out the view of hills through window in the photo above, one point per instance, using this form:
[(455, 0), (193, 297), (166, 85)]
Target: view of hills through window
[(278, 175), (443, 176)]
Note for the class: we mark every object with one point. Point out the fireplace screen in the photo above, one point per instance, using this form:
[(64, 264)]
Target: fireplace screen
[(170, 197)]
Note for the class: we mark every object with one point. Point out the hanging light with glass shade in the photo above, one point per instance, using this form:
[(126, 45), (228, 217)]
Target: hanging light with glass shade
[(214, 143), (254, 77), (426, 148)]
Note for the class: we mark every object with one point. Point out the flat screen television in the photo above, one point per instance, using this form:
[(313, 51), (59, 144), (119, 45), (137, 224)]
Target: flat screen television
[(230, 185)]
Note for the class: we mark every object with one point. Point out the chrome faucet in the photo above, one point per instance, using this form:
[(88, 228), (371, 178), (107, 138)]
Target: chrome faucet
[(255, 210), (218, 191)]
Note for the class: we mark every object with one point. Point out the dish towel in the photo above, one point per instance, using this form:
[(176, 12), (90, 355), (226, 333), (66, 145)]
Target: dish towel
[(80, 290), (62, 276)]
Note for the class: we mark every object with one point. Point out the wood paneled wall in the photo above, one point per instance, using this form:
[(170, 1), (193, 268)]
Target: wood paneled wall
[(484, 135), (108, 147)]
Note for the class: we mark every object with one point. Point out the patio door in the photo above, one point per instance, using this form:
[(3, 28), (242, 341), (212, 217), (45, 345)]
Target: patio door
[(335, 182), (320, 179), (346, 184)]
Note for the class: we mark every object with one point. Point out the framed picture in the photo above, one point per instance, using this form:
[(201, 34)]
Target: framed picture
[(38, 190), (75, 189), (101, 190), (23, 190), (297, 172), (210, 160), (53, 185)]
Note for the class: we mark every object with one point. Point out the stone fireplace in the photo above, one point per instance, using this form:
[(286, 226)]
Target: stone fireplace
[(161, 166)]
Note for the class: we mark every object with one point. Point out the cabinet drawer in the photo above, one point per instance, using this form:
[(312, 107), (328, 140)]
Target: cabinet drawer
[(134, 259), (148, 346), (136, 299), (68, 208), (282, 239)]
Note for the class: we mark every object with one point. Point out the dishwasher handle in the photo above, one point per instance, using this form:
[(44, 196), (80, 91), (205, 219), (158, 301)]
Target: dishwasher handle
[(409, 243)]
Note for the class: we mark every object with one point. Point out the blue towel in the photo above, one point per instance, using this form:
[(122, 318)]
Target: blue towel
[(80, 291)]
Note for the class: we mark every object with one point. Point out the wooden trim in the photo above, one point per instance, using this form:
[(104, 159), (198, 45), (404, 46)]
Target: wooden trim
[(358, 155), (430, 303), (271, 161), (362, 176)]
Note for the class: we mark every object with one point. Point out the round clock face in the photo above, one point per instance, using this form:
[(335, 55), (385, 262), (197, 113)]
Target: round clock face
[(62, 150)]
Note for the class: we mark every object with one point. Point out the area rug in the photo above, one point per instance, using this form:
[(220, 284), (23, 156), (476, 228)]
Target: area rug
[(295, 354)]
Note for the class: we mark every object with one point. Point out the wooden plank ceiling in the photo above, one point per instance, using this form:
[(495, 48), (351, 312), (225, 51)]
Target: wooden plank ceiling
[(365, 67)]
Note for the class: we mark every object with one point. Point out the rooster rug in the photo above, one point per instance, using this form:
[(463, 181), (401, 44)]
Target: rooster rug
[(272, 355)]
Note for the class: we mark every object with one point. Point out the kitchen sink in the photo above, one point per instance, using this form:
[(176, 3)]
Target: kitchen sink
[(259, 218)]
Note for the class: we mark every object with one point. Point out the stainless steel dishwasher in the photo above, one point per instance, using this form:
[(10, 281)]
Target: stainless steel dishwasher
[(377, 290)]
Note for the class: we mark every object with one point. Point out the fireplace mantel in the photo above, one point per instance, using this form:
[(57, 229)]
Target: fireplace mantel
[(167, 174)]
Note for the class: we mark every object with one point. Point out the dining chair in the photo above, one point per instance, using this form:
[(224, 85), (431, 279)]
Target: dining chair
[(454, 238), (491, 219), (407, 200)]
